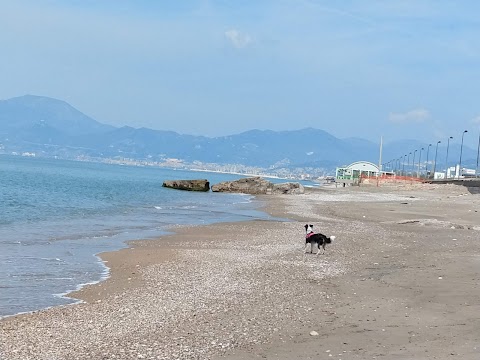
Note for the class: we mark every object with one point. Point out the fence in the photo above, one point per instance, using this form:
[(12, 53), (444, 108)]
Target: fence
[(390, 179)]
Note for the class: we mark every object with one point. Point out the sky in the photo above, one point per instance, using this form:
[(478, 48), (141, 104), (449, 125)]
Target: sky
[(406, 69)]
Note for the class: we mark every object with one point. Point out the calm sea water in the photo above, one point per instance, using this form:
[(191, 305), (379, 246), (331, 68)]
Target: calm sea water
[(56, 215)]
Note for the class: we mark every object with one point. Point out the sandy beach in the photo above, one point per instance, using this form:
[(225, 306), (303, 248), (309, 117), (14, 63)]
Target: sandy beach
[(400, 281)]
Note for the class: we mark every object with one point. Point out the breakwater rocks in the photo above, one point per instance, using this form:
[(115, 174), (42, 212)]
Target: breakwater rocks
[(252, 185), (189, 185), (258, 186)]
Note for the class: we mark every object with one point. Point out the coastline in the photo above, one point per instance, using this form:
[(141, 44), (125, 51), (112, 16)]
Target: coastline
[(241, 290)]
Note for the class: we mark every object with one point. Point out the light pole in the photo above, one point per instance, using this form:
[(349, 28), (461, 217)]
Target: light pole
[(478, 153), (403, 165), (446, 159), (461, 148), (419, 159), (408, 161), (435, 162), (413, 162), (426, 164)]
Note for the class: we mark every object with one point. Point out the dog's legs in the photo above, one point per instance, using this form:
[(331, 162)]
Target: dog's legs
[(318, 251), (305, 251)]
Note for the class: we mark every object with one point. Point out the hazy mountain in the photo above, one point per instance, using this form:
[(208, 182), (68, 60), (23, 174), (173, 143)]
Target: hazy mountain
[(53, 127), (29, 113)]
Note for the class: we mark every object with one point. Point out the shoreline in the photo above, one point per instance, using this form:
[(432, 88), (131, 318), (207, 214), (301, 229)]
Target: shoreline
[(103, 272), (241, 290)]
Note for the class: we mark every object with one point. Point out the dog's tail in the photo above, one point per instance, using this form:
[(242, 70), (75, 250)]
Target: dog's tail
[(330, 239)]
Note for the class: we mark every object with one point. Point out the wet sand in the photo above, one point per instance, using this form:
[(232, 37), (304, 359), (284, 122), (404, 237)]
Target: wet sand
[(401, 281)]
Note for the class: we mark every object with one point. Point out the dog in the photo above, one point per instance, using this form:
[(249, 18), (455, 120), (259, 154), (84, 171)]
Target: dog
[(316, 239)]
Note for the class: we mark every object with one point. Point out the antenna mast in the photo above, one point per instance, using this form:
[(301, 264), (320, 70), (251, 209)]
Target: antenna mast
[(380, 160)]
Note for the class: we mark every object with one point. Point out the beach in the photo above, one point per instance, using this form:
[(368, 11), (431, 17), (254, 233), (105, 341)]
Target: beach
[(400, 281)]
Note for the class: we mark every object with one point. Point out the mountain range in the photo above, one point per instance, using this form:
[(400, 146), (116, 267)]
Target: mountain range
[(51, 127)]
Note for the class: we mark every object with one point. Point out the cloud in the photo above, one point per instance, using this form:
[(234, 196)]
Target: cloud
[(238, 39), (415, 115), (476, 120)]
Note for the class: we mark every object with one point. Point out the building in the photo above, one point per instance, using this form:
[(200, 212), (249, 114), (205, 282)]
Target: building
[(352, 173)]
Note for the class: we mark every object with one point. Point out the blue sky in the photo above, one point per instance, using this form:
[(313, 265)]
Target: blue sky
[(401, 69)]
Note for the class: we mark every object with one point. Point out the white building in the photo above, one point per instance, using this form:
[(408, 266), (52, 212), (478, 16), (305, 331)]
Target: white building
[(352, 173)]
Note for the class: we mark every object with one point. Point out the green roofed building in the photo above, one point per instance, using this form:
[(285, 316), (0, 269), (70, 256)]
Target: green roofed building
[(352, 173)]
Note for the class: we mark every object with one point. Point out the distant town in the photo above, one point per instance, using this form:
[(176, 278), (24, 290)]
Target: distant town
[(297, 173)]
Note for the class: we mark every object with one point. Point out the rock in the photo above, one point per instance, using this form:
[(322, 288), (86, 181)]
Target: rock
[(313, 333), (252, 185), (258, 186), (190, 185), (288, 188)]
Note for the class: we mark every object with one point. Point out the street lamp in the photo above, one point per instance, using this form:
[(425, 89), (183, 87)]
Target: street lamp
[(426, 164), (478, 153), (403, 165), (413, 162), (461, 148), (408, 161), (419, 159), (446, 159), (435, 162)]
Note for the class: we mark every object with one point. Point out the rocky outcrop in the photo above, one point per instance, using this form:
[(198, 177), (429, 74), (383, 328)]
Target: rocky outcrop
[(257, 186), (189, 185), (288, 188), (253, 185)]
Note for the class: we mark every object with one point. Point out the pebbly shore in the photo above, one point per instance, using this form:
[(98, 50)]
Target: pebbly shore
[(400, 282)]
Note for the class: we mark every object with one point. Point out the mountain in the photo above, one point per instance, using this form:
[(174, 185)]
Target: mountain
[(51, 127), (253, 148), (30, 116)]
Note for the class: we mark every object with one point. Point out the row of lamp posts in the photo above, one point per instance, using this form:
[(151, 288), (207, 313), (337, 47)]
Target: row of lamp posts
[(397, 161)]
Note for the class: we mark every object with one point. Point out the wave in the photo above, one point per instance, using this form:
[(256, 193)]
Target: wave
[(104, 275), (52, 259)]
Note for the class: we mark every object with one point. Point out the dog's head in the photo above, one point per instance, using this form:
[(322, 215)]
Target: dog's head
[(308, 228)]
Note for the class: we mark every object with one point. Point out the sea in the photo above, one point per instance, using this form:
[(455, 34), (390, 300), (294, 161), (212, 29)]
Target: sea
[(56, 216)]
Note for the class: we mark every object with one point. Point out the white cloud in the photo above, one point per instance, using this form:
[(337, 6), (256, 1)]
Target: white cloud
[(415, 115), (476, 120), (238, 39)]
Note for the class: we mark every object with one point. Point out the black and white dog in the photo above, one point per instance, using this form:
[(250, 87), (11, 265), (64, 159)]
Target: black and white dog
[(315, 239)]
